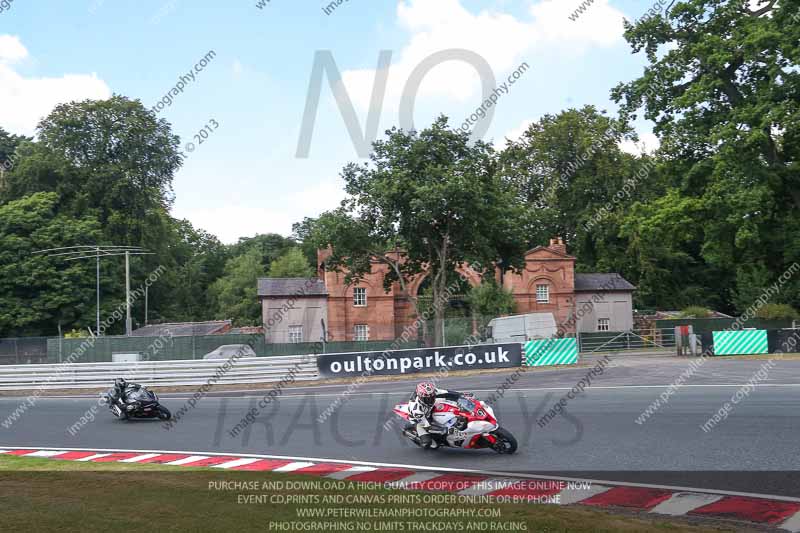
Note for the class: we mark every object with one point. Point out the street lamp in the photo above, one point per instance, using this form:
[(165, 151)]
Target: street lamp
[(72, 253)]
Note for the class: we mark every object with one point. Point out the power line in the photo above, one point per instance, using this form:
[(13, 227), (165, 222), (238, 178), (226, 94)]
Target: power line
[(86, 251)]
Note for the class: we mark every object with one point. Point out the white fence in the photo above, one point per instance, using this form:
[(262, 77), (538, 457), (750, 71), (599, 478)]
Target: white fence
[(157, 373)]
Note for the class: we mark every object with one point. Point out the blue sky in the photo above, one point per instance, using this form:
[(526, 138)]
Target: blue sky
[(245, 179)]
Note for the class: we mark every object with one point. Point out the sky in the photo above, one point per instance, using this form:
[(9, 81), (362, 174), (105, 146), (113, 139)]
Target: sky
[(247, 82)]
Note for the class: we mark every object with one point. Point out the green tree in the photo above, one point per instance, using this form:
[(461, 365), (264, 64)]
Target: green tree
[(196, 260), (777, 312), (564, 167), (235, 293), (574, 179), (664, 237), (127, 158), (489, 300), (721, 86), (695, 311), (270, 245), (292, 264), (113, 160), (8, 144), (430, 201), (39, 292), (302, 234), (8, 157)]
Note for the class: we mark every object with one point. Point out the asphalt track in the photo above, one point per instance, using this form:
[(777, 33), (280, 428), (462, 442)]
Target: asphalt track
[(754, 450)]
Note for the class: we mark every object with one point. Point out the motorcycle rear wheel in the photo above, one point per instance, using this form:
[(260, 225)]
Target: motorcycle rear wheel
[(506, 443), (163, 413)]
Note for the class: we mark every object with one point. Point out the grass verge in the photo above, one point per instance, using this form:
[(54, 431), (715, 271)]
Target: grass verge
[(52, 495)]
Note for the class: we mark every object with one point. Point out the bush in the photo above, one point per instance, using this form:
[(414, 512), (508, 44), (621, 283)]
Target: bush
[(76, 334), (777, 312), (489, 300), (695, 311)]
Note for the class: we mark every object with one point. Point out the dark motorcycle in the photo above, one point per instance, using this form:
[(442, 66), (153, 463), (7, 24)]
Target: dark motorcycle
[(139, 403)]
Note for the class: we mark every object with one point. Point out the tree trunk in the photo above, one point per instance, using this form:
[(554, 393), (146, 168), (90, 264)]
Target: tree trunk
[(440, 299)]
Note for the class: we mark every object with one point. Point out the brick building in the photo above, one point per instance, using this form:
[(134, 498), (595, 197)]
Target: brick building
[(365, 311)]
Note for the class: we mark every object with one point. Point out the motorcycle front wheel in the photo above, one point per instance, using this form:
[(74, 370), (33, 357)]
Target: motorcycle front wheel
[(506, 443), (123, 414)]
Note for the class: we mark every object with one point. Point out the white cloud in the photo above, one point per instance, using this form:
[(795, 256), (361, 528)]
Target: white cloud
[(237, 68), (503, 40), (648, 143), (11, 49), (25, 101), (513, 135), (230, 221)]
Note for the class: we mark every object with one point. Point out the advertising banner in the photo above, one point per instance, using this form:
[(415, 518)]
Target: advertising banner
[(548, 352), (399, 362)]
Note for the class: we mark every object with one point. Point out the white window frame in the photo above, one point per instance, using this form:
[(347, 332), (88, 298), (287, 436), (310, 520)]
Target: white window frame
[(293, 334), (359, 297), (361, 332), (546, 299), (603, 324)]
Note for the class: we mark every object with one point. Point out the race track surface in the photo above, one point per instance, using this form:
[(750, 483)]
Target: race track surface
[(754, 450)]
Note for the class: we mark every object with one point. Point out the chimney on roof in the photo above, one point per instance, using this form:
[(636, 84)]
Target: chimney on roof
[(322, 255), (557, 244)]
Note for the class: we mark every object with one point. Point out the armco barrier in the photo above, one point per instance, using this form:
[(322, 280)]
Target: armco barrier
[(743, 342), (547, 352), (156, 373)]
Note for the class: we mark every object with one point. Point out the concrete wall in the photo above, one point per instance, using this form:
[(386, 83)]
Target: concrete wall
[(616, 306), (307, 312)]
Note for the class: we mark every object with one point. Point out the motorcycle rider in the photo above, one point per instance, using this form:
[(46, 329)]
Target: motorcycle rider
[(421, 407), (120, 390)]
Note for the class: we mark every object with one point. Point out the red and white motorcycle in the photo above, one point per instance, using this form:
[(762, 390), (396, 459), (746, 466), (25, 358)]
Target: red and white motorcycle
[(465, 423)]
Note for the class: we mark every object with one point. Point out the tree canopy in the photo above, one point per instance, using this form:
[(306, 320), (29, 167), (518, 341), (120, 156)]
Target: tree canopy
[(427, 202), (722, 87), (292, 264), (709, 219)]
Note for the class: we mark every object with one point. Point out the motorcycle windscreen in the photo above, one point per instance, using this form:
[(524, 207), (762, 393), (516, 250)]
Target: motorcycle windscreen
[(140, 395)]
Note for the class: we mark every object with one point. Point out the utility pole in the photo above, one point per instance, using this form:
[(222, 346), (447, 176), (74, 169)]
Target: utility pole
[(128, 323), (97, 290), (71, 253)]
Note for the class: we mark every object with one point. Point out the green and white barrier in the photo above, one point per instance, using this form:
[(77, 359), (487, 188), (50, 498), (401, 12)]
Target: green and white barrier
[(740, 342), (551, 352)]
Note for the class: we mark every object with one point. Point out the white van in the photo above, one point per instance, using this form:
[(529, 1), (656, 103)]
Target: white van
[(521, 328)]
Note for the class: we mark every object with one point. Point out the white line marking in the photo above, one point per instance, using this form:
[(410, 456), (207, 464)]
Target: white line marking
[(237, 462), (486, 486), (569, 496), (792, 524), (45, 453), (424, 468), (342, 474), (419, 477), (291, 467), (682, 502), (139, 458), (187, 460), (92, 457)]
